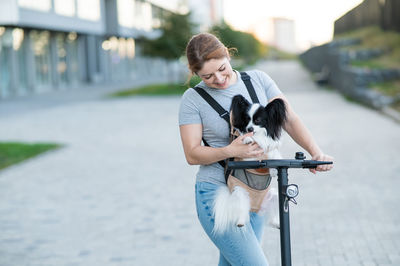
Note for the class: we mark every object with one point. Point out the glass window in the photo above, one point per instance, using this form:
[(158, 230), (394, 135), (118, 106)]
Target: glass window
[(143, 16), (61, 58), (19, 45), (18, 38), (65, 7), (72, 48), (121, 52), (89, 9), (5, 47), (22, 67), (126, 10), (41, 50), (135, 14), (41, 5), (4, 73), (147, 20), (130, 48)]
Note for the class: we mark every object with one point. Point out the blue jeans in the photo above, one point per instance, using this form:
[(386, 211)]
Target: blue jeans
[(239, 246)]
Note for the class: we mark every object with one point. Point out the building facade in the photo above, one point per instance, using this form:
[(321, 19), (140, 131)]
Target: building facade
[(60, 44), (206, 13), (284, 37)]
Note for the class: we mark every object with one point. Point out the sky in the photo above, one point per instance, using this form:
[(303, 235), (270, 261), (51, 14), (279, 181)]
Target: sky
[(313, 19)]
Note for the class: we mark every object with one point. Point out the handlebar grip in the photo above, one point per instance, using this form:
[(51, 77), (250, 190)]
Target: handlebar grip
[(314, 164)]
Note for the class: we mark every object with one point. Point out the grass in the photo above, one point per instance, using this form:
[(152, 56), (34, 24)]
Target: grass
[(153, 89), (389, 42), (161, 89), (390, 88), (370, 64), (14, 152), (396, 106), (158, 89), (274, 53), (372, 38)]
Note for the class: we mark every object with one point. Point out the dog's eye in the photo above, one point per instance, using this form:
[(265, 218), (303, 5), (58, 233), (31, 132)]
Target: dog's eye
[(257, 121)]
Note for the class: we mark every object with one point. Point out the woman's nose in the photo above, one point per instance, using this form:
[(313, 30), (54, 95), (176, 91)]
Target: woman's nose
[(218, 77)]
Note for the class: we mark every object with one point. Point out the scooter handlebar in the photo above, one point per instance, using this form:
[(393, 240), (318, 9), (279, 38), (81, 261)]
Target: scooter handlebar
[(284, 163)]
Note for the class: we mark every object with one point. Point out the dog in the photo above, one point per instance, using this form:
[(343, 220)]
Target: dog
[(266, 123)]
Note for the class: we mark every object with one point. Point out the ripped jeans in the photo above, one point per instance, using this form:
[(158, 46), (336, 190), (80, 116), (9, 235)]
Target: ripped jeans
[(239, 246)]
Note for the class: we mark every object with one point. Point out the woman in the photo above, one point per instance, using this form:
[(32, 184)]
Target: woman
[(210, 60)]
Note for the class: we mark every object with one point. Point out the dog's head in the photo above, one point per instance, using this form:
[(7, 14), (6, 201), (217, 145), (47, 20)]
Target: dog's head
[(247, 117)]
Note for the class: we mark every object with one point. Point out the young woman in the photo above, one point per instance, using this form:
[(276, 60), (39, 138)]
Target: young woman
[(210, 60)]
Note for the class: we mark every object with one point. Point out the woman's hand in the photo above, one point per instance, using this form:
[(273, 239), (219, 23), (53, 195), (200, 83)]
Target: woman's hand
[(324, 167), (238, 149)]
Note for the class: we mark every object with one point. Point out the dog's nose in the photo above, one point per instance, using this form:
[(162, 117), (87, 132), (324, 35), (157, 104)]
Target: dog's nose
[(250, 129)]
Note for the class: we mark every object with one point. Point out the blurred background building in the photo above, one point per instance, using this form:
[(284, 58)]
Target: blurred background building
[(59, 44), (283, 35), (206, 13)]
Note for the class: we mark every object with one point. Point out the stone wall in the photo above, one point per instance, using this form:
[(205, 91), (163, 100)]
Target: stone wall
[(330, 65)]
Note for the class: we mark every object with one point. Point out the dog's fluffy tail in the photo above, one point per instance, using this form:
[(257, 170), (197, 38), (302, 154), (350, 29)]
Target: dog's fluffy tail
[(230, 209)]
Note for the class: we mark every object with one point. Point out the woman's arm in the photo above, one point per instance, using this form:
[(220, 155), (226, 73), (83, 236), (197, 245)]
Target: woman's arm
[(302, 136), (195, 153)]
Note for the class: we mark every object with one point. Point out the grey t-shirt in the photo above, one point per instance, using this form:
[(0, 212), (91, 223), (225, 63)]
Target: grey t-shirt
[(195, 110)]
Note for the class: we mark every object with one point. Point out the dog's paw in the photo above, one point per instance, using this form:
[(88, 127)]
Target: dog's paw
[(274, 224), (248, 140)]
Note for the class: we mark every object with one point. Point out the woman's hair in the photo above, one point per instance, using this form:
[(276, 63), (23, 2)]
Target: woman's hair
[(203, 47)]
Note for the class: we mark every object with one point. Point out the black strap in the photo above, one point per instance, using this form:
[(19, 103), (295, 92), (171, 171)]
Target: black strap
[(217, 107), (214, 104), (222, 162), (249, 86)]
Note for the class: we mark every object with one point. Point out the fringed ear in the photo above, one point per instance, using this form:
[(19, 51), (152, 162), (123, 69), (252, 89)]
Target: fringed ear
[(238, 110), (239, 103), (276, 117)]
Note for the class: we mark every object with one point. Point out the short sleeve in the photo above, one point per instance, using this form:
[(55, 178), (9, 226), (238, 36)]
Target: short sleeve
[(188, 110), (269, 85)]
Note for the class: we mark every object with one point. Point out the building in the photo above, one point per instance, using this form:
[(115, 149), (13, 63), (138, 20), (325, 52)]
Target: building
[(60, 44), (206, 13), (284, 36)]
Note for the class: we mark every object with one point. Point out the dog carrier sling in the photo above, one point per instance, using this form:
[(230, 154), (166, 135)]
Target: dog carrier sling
[(255, 181)]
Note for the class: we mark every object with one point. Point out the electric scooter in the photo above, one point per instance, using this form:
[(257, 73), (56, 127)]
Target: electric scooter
[(287, 192)]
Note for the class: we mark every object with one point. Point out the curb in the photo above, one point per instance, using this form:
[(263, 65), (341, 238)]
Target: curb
[(392, 113)]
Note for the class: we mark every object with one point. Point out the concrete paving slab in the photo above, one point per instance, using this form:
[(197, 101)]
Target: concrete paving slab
[(120, 192)]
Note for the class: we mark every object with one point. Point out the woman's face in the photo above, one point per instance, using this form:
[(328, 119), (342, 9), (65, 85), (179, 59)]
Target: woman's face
[(217, 73)]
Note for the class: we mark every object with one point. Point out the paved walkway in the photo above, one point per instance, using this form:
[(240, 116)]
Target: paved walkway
[(120, 192)]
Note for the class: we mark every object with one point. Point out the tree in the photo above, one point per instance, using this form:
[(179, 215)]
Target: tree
[(249, 48), (176, 31)]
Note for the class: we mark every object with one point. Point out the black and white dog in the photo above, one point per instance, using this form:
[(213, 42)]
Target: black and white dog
[(232, 208), (265, 122)]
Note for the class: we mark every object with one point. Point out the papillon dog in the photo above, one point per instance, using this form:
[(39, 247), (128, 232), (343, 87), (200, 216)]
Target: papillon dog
[(266, 123)]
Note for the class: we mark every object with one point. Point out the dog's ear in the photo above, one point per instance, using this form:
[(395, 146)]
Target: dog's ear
[(239, 103), (238, 110), (276, 117)]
